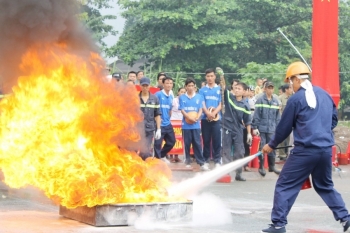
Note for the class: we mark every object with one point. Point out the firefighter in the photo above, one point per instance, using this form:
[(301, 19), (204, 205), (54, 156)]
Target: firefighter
[(265, 119), (312, 115), (236, 113), (151, 113)]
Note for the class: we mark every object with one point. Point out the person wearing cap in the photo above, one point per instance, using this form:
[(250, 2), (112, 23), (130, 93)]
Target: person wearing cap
[(265, 119), (117, 76), (312, 115), (167, 130), (151, 113)]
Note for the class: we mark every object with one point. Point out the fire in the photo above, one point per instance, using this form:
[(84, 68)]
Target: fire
[(66, 131)]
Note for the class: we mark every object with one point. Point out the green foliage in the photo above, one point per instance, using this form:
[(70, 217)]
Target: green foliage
[(273, 72), (344, 55), (185, 35), (91, 17)]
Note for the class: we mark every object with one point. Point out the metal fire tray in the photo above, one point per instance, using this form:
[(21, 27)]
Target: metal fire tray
[(122, 214)]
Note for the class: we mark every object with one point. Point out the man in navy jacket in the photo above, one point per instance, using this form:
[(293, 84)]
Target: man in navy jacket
[(312, 115)]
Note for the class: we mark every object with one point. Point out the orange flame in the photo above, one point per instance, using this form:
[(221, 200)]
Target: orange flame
[(66, 131)]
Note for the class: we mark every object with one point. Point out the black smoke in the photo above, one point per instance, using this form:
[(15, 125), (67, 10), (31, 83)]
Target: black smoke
[(24, 23)]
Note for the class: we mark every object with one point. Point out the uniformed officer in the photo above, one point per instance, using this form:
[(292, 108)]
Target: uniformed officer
[(265, 119), (312, 115), (151, 112), (236, 113)]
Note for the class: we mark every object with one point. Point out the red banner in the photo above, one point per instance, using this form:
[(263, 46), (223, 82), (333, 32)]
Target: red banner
[(153, 90), (325, 64)]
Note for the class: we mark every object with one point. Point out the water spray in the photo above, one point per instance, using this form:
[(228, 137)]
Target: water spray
[(190, 187)]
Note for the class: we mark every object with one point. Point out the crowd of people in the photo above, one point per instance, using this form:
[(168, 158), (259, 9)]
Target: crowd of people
[(216, 135)]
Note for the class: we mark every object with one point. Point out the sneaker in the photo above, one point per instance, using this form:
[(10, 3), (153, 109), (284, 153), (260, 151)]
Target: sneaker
[(177, 160), (188, 166), (346, 225), (273, 229), (206, 164), (217, 165), (165, 160), (204, 167)]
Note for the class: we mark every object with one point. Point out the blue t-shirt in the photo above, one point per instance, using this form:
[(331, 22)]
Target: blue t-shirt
[(193, 104), (211, 97), (166, 103)]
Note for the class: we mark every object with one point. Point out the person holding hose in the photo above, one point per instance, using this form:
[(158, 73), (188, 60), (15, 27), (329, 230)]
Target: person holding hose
[(312, 115)]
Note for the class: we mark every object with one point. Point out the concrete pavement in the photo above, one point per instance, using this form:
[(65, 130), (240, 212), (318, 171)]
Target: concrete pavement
[(249, 205)]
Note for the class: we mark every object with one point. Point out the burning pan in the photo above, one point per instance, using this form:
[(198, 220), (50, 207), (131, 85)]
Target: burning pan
[(125, 214)]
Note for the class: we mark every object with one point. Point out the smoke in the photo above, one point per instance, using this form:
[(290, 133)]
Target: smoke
[(28, 23), (208, 210)]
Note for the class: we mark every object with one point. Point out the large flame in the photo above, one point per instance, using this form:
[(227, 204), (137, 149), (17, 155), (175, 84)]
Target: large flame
[(66, 131)]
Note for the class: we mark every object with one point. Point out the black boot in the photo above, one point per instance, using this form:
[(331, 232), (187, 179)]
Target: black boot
[(239, 175), (272, 168), (261, 170)]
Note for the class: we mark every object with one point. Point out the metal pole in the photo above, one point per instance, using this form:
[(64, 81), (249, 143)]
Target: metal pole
[(278, 29)]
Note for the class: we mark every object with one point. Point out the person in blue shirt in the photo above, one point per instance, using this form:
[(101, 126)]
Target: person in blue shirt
[(167, 130), (211, 128), (191, 132), (312, 115)]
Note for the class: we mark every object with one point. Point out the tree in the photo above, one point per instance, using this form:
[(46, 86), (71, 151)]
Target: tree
[(182, 35), (193, 35), (273, 72), (344, 56), (91, 17)]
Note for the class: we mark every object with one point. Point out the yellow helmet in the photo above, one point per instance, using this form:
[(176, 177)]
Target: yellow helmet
[(296, 68)]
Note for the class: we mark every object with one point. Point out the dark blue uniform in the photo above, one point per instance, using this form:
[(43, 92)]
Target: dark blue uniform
[(150, 110), (313, 140), (235, 113)]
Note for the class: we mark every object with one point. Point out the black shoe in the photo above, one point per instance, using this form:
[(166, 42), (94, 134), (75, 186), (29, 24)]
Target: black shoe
[(273, 229), (262, 172), (239, 178), (271, 160), (346, 225), (273, 169)]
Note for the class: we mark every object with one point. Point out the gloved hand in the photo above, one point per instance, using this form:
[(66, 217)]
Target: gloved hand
[(158, 134), (256, 132), (249, 139)]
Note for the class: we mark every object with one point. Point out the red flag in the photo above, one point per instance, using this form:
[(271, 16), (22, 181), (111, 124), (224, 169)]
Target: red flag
[(325, 63)]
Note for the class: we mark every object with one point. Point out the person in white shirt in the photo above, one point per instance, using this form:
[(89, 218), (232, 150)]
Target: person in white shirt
[(176, 115)]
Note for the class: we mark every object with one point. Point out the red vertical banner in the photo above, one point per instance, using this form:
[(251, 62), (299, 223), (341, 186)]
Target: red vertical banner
[(325, 62)]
